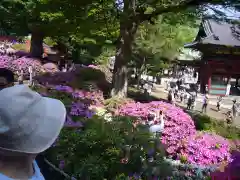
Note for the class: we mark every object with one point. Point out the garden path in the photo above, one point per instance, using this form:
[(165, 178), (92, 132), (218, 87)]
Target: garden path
[(211, 111)]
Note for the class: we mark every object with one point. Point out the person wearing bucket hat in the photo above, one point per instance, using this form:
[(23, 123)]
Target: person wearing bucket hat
[(29, 124)]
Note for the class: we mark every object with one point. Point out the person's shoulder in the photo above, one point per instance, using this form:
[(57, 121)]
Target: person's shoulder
[(38, 175), (3, 177)]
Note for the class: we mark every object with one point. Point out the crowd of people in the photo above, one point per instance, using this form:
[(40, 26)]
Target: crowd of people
[(189, 100), (182, 96), (6, 48)]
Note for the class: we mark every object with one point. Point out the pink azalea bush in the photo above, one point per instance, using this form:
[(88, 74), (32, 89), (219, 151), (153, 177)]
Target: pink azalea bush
[(24, 63), (5, 61), (82, 100), (178, 125), (205, 149), (180, 135)]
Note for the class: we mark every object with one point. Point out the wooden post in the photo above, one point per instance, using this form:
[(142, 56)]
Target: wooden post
[(208, 76)]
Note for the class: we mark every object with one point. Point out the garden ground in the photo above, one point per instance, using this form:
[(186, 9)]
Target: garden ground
[(158, 93)]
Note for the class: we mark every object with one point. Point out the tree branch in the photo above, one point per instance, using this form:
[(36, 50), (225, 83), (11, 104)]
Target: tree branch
[(173, 8)]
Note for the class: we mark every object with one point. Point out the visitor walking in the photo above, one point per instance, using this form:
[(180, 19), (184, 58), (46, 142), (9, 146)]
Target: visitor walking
[(194, 102), (31, 124), (171, 98), (219, 102), (186, 97), (176, 92), (229, 117), (189, 103), (205, 104), (147, 90), (234, 109), (181, 96)]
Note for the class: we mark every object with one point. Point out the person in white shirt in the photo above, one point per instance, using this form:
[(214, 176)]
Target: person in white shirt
[(205, 103), (228, 89), (147, 89), (157, 123)]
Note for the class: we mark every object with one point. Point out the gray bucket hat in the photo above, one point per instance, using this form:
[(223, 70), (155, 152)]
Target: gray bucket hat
[(29, 123)]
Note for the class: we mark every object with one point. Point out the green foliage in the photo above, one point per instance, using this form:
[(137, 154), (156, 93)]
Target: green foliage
[(96, 151), (49, 41), (20, 47), (91, 79), (205, 123), (90, 74), (160, 43), (103, 58), (114, 103)]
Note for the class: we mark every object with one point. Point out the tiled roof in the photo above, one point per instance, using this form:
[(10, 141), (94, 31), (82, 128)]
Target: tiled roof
[(219, 33)]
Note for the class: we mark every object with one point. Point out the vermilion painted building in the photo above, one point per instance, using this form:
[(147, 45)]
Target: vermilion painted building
[(219, 43)]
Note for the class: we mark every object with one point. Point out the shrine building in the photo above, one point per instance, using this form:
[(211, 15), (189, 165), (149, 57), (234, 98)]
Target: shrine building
[(219, 44)]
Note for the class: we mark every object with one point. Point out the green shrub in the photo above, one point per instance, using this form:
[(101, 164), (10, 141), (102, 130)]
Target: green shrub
[(202, 122), (87, 77), (90, 74), (114, 103), (205, 123), (97, 151), (20, 47)]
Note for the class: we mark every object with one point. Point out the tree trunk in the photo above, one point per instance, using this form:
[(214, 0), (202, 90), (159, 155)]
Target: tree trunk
[(142, 68), (128, 28), (36, 49), (120, 72)]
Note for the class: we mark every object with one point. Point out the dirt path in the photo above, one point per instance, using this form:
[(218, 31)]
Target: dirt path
[(211, 110)]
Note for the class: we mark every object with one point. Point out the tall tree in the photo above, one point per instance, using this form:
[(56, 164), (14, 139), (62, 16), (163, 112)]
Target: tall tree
[(133, 13), (47, 18), (156, 45)]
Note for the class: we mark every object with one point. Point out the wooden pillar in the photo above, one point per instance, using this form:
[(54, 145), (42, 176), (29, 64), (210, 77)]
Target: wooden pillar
[(209, 82), (208, 76), (202, 76)]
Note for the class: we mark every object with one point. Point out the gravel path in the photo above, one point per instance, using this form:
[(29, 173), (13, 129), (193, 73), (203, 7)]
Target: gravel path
[(211, 110)]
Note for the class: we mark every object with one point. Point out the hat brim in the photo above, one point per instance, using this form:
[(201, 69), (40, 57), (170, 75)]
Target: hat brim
[(46, 128)]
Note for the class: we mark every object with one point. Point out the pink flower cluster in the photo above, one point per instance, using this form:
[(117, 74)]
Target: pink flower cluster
[(178, 125), (95, 97), (93, 66), (24, 63), (82, 100), (180, 135), (5, 61), (205, 149)]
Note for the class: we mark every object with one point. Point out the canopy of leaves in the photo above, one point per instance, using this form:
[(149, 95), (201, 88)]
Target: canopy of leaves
[(160, 43)]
